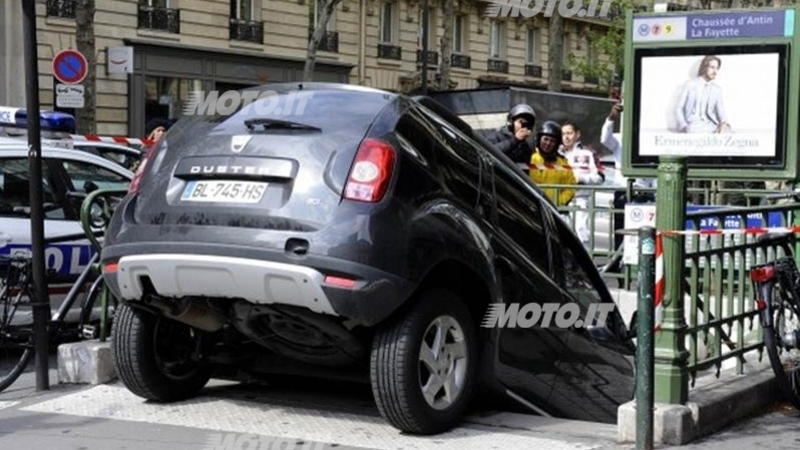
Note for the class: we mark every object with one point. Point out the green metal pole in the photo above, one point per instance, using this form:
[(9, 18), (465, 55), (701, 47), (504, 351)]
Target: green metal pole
[(671, 374), (644, 338)]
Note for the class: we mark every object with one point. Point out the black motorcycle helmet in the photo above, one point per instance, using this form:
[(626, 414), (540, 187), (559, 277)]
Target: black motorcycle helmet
[(520, 111), (550, 128)]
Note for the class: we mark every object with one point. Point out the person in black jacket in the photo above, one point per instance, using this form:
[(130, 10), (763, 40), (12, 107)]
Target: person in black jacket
[(512, 138)]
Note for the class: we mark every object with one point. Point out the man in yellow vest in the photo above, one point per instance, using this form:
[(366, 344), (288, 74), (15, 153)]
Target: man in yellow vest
[(549, 167)]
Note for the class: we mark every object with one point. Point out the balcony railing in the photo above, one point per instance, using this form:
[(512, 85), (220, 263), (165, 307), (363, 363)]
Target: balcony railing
[(460, 61), (497, 65), (160, 19), (566, 75), (246, 31), (329, 41), (433, 58), (61, 8), (389, 51), (532, 70), (588, 79)]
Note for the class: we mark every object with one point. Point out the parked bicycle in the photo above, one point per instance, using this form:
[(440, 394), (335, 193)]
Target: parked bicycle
[(16, 319), (777, 289)]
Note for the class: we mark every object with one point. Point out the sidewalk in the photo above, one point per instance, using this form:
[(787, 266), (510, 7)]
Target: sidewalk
[(228, 415)]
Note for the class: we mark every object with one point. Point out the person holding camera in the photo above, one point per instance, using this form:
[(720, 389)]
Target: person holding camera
[(512, 138)]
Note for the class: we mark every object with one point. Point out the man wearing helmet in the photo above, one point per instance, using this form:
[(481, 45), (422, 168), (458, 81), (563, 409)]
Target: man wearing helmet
[(512, 138), (549, 167)]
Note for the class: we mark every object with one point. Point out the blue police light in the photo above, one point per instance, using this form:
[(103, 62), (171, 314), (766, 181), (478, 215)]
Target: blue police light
[(48, 120)]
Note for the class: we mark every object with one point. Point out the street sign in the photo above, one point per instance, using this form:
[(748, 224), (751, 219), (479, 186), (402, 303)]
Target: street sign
[(69, 95), (713, 87), (70, 66), (120, 60)]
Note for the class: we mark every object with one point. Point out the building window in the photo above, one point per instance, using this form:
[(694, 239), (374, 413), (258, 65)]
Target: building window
[(242, 9), (245, 25), (497, 40), (460, 35), (591, 55), (315, 13), (566, 48), (532, 46), (330, 40), (61, 8), (157, 15), (431, 28), (389, 23), (165, 96)]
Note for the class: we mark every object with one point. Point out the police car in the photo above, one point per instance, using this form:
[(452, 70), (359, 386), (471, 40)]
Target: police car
[(56, 129), (68, 176)]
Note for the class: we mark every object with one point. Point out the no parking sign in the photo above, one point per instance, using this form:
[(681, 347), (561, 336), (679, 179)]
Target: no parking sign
[(70, 66)]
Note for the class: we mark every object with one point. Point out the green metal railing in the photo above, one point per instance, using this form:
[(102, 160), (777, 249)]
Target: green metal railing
[(709, 306)]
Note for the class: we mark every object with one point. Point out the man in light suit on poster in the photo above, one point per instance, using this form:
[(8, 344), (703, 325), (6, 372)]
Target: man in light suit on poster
[(700, 108)]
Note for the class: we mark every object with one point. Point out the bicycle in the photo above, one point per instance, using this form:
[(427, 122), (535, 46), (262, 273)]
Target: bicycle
[(777, 287), (16, 323)]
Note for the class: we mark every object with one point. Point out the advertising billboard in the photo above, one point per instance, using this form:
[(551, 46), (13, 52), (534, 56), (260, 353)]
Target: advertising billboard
[(715, 87)]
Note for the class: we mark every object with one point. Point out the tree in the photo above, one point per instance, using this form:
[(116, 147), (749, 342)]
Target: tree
[(85, 42), (324, 9), (446, 45), (609, 42), (555, 56)]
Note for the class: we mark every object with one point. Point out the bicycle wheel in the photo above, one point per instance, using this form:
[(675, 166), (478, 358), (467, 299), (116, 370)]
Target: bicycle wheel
[(782, 336), (15, 340)]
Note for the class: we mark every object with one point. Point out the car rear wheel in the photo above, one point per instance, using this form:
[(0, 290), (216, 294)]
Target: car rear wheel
[(424, 365), (157, 358)]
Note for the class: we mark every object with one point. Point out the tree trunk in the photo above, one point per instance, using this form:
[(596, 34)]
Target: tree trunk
[(446, 47), (555, 57), (316, 37), (86, 117)]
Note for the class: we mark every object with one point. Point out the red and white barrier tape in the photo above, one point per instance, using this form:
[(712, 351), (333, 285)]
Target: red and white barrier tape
[(659, 284), (113, 139)]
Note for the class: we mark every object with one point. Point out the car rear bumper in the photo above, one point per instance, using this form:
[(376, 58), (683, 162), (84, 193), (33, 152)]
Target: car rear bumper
[(162, 271)]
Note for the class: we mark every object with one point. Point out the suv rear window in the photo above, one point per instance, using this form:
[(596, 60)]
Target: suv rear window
[(328, 110)]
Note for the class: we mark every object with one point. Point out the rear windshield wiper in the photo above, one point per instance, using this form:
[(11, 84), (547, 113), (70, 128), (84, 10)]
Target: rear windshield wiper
[(277, 124)]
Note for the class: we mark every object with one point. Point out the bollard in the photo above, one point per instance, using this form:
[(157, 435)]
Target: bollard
[(645, 322)]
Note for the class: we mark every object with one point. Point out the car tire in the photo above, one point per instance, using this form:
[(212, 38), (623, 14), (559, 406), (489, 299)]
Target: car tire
[(400, 373), (154, 365)]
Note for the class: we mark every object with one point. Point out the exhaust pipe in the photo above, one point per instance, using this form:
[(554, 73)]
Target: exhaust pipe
[(190, 312)]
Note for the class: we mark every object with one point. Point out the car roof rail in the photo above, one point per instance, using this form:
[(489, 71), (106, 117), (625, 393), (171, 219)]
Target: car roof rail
[(445, 113)]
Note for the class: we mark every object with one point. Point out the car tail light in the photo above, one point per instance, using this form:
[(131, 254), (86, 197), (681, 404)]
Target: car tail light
[(137, 177), (762, 274), (371, 172)]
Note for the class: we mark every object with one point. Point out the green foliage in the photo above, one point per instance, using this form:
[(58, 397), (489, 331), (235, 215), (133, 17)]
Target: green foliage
[(608, 44)]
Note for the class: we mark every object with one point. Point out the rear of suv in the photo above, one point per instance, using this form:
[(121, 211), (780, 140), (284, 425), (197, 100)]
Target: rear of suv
[(333, 229)]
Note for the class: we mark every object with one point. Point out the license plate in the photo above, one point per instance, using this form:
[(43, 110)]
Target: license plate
[(224, 191)]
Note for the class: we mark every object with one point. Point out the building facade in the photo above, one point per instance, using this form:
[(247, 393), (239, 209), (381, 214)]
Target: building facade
[(180, 46)]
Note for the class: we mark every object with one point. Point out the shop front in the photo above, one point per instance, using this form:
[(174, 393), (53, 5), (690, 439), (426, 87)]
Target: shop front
[(164, 75)]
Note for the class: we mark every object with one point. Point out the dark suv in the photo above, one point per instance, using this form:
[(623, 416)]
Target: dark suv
[(362, 237)]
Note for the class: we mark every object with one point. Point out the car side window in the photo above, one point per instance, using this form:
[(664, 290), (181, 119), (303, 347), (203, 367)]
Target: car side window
[(454, 140), (577, 280), (15, 190), (519, 217), (84, 177), (418, 136)]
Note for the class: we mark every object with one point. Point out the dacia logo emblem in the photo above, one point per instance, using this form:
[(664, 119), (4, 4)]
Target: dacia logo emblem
[(238, 143)]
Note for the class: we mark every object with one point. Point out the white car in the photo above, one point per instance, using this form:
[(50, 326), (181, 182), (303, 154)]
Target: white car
[(67, 177)]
